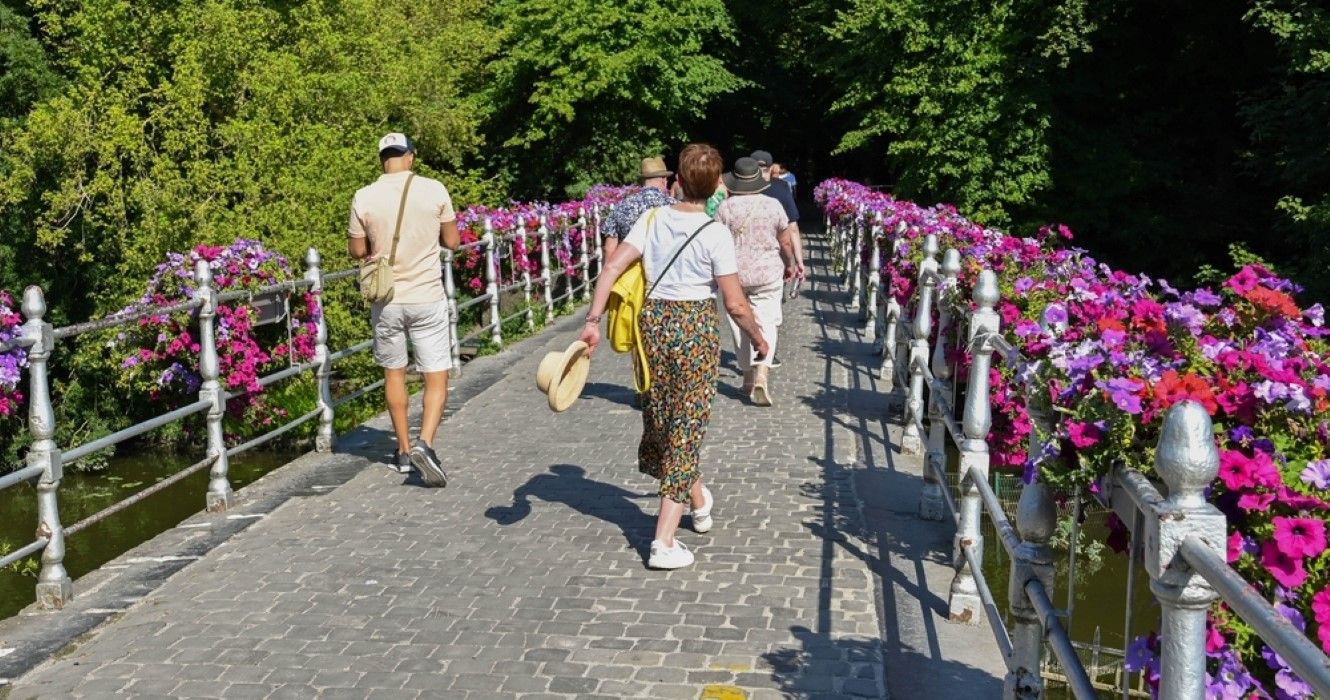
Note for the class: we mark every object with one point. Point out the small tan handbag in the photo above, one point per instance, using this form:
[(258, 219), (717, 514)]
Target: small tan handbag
[(376, 276)]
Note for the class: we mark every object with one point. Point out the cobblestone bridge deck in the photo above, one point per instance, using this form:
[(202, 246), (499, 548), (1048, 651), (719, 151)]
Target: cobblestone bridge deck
[(525, 577)]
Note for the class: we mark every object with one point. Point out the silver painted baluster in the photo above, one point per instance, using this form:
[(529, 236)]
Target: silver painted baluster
[(854, 264), (965, 605), (600, 242), (911, 440), (220, 496), (546, 272), (54, 587), (1036, 517), (874, 280), (450, 288), (526, 273), (1188, 461), (932, 506), (586, 264), (491, 252), (324, 439)]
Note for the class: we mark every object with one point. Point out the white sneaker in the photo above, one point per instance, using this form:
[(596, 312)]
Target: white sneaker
[(702, 516), (663, 557)]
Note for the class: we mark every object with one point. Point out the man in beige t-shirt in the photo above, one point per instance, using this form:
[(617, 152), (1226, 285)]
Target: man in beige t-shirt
[(419, 309)]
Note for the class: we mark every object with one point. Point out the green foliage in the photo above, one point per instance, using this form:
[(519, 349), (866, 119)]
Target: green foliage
[(26, 75), (955, 94), (583, 89)]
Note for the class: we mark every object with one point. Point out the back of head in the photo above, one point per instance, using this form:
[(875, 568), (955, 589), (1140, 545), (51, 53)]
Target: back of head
[(699, 169)]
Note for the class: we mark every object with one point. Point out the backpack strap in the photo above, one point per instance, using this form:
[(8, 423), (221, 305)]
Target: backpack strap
[(397, 229), (677, 253)]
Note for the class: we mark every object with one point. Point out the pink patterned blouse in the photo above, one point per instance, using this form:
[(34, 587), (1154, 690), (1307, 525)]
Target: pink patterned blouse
[(756, 220)]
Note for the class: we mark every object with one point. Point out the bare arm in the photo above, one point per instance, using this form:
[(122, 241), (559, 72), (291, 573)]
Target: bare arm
[(448, 236), (609, 245), (357, 247), (787, 254), (624, 255), (736, 305), (797, 241)]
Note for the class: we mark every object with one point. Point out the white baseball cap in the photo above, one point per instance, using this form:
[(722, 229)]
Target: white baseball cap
[(396, 142)]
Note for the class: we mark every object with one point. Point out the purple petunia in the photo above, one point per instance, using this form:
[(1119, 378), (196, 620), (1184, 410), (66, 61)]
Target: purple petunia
[(1317, 473), (1123, 392)]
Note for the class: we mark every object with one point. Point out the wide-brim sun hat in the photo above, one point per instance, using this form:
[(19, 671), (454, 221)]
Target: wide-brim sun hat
[(562, 375), (745, 178)]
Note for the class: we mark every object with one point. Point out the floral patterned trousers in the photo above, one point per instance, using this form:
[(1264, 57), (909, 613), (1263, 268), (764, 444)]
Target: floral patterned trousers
[(683, 348)]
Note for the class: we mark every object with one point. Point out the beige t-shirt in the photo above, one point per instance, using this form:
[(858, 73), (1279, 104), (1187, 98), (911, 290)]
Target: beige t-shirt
[(418, 272)]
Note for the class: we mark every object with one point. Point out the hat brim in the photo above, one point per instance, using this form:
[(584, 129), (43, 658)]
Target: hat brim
[(395, 151), (563, 375), (737, 186), (655, 174)]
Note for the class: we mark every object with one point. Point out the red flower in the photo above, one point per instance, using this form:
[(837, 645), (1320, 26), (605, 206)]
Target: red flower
[(1173, 388), (1273, 302)]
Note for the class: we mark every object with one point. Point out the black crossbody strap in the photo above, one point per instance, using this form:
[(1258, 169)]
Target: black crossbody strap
[(677, 253)]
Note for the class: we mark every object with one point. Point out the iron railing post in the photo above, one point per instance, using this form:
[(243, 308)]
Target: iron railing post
[(586, 263), (1036, 517), (936, 449), (854, 264), (491, 251), (54, 587), (220, 497), (1188, 461), (450, 289), (600, 242), (874, 282), (324, 440), (546, 271), (912, 440), (526, 273), (965, 604)]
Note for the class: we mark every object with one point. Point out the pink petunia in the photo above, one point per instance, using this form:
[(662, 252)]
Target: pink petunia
[(1083, 435), (1286, 570), (1321, 611), (1299, 537), (1234, 546)]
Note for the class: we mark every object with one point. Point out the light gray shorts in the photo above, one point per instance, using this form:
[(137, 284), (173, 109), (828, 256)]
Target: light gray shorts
[(428, 328)]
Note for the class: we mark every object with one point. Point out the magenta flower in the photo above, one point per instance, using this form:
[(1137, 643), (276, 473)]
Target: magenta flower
[(1299, 537), (1083, 435), (1286, 570)]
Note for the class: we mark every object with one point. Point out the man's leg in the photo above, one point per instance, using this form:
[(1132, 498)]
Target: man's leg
[(394, 390), (435, 400)]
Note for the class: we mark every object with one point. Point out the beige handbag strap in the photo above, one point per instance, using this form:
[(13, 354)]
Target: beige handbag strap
[(397, 230)]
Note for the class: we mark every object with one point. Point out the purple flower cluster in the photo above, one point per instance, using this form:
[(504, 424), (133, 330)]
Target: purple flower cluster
[(13, 361)]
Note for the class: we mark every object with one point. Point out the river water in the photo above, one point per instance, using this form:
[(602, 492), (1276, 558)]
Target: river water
[(84, 493)]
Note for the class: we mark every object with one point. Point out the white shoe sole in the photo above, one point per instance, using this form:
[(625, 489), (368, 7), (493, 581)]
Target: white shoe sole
[(674, 563), (702, 521)]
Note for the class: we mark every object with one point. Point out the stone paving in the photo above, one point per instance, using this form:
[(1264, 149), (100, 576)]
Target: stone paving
[(525, 577)]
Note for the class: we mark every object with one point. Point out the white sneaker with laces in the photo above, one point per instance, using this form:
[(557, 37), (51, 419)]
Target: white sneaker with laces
[(663, 557), (702, 516)]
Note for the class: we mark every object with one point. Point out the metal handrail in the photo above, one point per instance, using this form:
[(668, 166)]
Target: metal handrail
[(1189, 558), (46, 460)]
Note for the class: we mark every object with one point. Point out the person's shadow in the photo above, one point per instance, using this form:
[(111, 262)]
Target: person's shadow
[(567, 484)]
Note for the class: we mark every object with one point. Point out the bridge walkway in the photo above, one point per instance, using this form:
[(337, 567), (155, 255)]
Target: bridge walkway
[(525, 577)]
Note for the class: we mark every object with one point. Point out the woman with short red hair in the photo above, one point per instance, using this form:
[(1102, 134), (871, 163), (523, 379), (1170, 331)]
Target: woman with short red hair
[(686, 255)]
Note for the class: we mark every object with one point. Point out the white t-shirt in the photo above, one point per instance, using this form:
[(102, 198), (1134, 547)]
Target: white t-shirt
[(693, 276)]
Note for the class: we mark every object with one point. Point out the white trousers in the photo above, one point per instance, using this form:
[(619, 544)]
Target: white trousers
[(765, 300)]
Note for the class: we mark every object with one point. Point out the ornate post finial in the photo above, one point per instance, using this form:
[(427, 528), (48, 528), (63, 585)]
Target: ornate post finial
[(1186, 457)]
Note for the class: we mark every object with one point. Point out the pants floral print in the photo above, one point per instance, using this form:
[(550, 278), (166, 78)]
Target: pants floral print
[(683, 348)]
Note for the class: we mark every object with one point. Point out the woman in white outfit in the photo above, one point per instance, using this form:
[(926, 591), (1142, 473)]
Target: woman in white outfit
[(765, 254)]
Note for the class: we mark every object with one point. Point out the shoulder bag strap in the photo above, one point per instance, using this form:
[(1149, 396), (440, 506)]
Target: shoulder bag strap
[(677, 253), (401, 208)]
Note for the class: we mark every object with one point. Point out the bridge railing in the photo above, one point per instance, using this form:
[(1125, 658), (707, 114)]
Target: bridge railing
[(46, 460), (1179, 537)]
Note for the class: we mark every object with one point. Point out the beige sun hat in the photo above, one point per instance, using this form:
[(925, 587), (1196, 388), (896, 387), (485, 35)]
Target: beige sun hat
[(562, 375)]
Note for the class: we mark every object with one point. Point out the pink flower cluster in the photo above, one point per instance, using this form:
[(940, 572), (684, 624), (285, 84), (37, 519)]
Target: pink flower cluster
[(1110, 352), (563, 222), (162, 352), (13, 361)]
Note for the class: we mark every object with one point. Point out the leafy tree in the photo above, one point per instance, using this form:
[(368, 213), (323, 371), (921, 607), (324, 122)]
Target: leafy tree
[(583, 89), (954, 95)]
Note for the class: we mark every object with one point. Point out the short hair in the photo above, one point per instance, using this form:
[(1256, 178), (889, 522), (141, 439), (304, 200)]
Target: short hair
[(699, 171)]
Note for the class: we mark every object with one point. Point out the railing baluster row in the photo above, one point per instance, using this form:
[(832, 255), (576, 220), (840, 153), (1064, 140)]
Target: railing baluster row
[(44, 457), (1184, 536)]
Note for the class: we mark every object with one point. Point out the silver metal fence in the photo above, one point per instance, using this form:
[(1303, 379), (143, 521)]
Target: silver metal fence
[(1179, 537), (45, 460)]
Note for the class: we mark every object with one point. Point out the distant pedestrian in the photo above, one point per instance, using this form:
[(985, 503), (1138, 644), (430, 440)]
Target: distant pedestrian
[(408, 219), (778, 170), (782, 191), (654, 179), (765, 255), (679, 331)]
